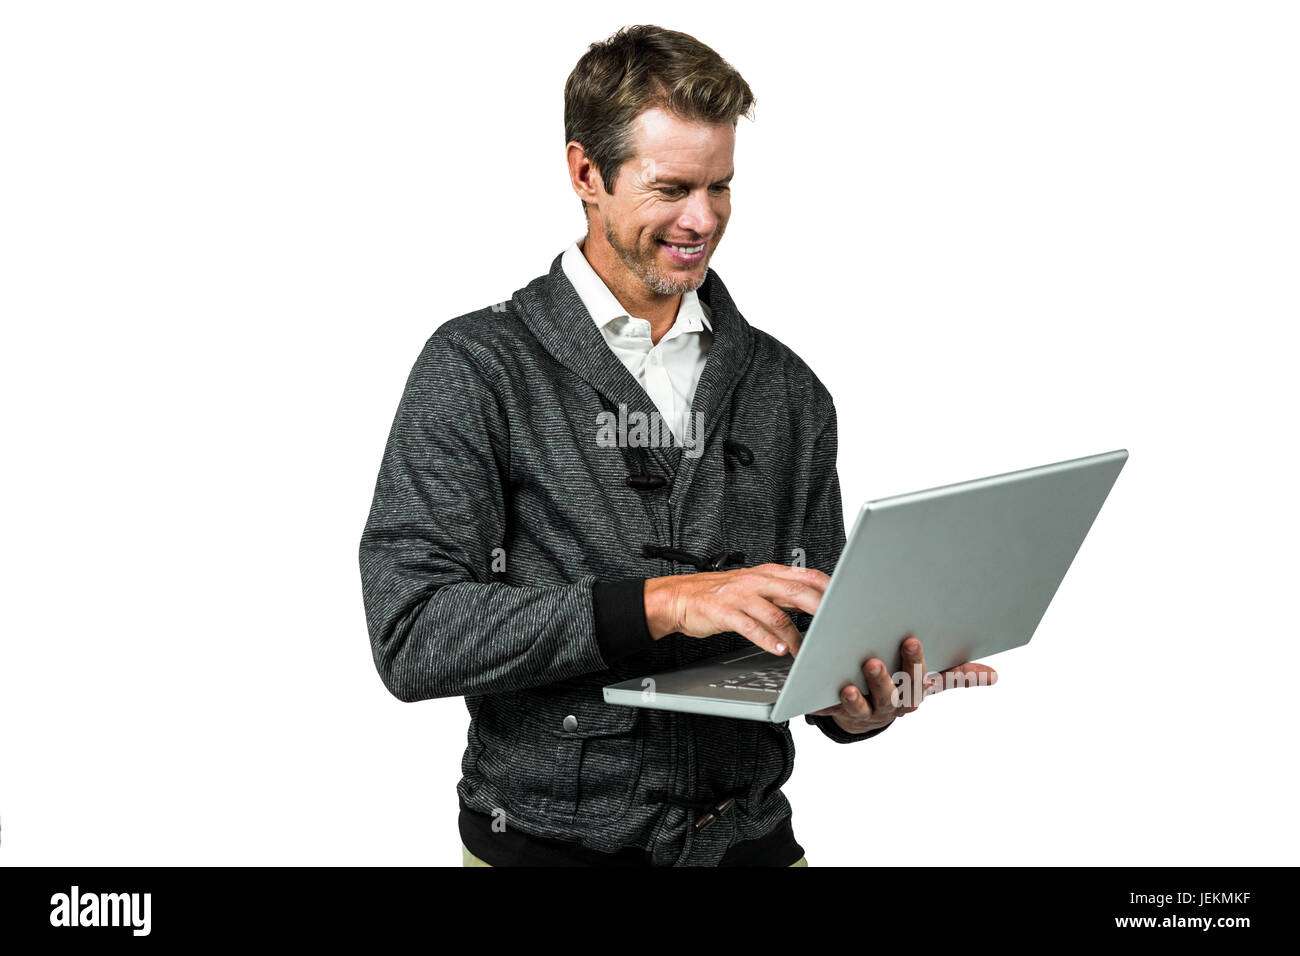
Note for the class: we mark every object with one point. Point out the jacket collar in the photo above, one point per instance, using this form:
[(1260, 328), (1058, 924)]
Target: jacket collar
[(553, 311)]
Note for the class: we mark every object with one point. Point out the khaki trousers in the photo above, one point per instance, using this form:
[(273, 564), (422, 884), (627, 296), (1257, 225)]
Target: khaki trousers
[(469, 859)]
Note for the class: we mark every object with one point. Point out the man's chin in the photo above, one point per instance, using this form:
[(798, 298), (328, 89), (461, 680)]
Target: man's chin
[(678, 283), (676, 287)]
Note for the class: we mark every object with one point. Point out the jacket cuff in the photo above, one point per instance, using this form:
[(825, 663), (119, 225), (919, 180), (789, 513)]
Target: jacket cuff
[(827, 725), (621, 627)]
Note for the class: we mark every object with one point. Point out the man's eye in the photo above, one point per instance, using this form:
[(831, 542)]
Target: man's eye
[(681, 191)]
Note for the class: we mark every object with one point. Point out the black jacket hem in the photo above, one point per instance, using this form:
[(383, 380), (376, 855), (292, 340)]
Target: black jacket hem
[(511, 847)]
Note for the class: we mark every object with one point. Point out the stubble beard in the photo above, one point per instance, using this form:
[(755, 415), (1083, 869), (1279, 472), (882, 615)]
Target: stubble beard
[(646, 268)]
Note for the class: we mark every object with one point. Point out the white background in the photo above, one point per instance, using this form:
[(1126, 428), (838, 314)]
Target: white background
[(1002, 233)]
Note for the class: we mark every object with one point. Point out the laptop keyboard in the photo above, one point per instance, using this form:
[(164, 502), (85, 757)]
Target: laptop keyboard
[(770, 679)]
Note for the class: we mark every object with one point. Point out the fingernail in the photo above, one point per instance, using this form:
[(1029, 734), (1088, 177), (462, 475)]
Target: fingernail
[(874, 669), (851, 693), (780, 648)]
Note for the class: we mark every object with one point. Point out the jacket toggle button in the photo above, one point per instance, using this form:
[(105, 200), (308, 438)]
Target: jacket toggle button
[(722, 559), (708, 816)]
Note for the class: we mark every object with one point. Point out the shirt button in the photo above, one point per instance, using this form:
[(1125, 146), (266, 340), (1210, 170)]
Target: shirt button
[(570, 723)]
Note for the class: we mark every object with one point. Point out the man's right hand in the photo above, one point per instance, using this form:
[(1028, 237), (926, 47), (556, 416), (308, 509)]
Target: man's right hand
[(749, 601)]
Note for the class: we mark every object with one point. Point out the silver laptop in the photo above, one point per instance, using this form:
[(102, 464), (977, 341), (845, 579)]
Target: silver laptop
[(968, 569)]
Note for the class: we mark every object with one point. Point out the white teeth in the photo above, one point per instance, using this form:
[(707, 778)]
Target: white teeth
[(687, 250)]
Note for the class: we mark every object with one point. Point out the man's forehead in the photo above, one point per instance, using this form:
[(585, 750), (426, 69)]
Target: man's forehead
[(671, 149), (657, 129)]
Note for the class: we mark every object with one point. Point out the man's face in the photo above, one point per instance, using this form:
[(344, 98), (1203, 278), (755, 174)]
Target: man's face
[(671, 201)]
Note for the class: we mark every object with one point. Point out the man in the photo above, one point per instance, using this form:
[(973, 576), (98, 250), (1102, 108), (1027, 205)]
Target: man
[(608, 475)]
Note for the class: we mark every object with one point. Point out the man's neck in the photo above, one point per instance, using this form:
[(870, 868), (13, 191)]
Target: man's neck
[(659, 310)]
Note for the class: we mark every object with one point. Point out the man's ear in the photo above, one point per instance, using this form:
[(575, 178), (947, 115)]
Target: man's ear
[(583, 174)]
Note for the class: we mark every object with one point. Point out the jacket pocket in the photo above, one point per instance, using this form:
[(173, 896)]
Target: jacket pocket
[(579, 759), (597, 763), (575, 757)]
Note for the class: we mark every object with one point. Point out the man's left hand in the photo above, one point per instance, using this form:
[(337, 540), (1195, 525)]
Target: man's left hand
[(855, 714)]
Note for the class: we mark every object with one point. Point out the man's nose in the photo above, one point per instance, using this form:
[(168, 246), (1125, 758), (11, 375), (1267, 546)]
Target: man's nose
[(698, 216)]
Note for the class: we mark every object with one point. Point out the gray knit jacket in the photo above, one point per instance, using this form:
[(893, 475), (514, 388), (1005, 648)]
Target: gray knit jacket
[(505, 549)]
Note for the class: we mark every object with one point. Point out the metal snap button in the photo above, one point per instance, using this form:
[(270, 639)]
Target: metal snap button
[(570, 723)]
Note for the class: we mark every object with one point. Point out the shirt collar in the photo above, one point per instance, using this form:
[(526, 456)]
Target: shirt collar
[(692, 314)]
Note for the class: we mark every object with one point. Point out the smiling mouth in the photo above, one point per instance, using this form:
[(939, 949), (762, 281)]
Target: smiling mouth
[(684, 251)]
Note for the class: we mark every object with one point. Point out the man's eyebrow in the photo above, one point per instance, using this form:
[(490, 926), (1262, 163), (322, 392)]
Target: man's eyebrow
[(675, 181)]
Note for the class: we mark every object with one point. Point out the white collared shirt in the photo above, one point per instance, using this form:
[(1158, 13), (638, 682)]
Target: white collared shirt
[(668, 370)]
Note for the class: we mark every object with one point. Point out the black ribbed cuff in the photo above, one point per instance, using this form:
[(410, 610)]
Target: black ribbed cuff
[(621, 628), (827, 725)]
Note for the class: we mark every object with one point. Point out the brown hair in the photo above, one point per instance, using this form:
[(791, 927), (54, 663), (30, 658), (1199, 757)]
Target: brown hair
[(641, 68)]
